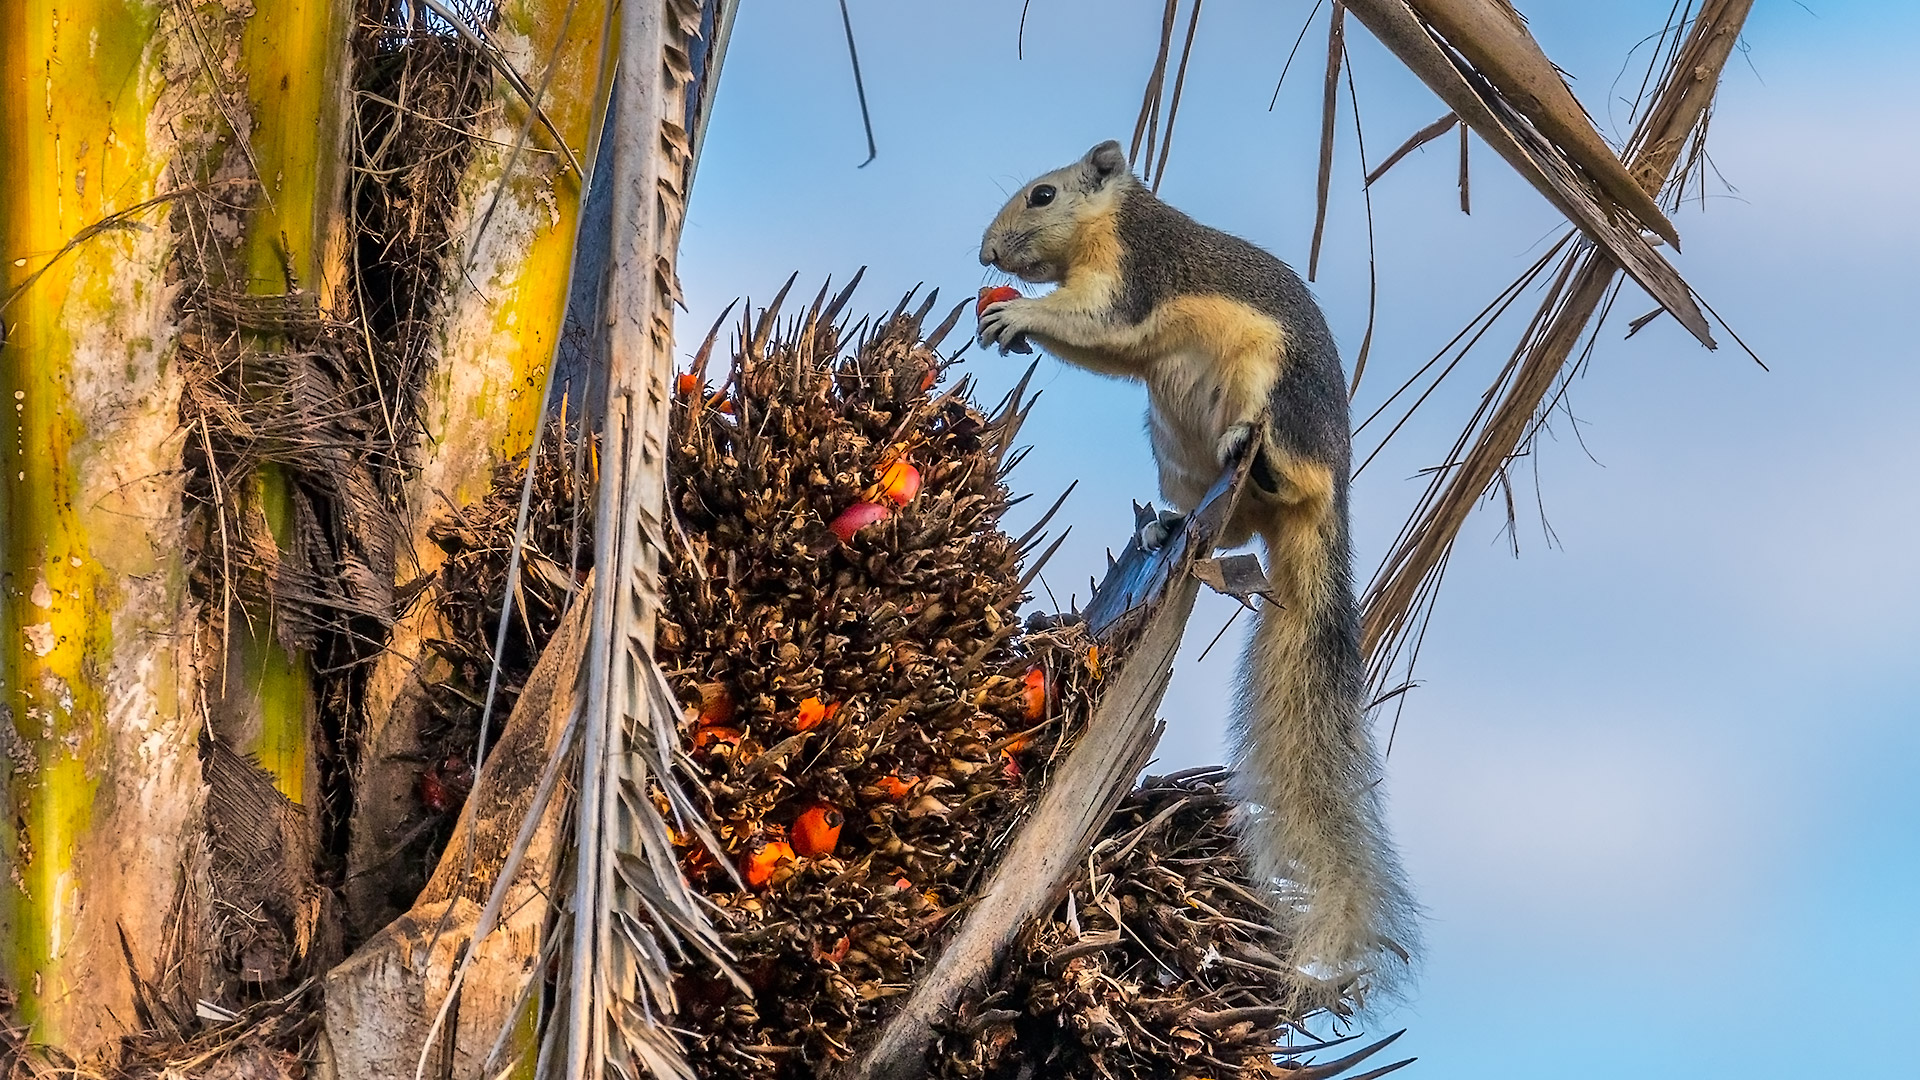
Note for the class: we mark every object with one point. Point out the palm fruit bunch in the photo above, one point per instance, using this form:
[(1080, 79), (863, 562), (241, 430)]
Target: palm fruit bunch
[(861, 707), (866, 720), (1163, 962)]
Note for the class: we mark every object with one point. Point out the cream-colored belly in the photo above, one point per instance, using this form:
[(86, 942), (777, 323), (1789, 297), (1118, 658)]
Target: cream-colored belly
[(1193, 398)]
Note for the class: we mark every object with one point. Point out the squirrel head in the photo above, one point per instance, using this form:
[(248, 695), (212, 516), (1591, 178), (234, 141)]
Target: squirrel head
[(1036, 236)]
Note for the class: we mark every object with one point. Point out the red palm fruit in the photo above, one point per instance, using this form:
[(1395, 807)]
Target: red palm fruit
[(432, 791), (857, 517), (993, 294), (1034, 694)]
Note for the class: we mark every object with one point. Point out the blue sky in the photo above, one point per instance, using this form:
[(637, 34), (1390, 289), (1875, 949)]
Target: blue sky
[(1657, 789)]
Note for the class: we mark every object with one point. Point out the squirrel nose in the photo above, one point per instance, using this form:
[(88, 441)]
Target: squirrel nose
[(989, 254)]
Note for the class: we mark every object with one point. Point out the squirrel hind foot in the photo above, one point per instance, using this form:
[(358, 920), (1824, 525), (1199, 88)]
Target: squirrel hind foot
[(1232, 443), (1153, 533)]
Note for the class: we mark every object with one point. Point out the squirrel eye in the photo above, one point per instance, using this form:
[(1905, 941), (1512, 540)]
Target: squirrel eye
[(1041, 196)]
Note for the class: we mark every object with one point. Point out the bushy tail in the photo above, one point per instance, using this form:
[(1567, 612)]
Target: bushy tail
[(1309, 775)]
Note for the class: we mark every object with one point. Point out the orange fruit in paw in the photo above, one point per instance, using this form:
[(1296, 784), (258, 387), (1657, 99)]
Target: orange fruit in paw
[(993, 294)]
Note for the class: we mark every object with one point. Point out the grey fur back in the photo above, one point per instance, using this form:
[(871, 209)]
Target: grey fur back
[(1165, 253)]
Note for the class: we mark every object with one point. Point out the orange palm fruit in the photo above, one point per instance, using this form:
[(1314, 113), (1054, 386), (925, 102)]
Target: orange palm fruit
[(892, 788), (763, 860), (812, 712), (1034, 693), (900, 482), (706, 738), (817, 830), (686, 384)]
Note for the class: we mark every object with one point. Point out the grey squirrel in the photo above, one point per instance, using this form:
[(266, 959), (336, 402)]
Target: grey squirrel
[(1224, 334)]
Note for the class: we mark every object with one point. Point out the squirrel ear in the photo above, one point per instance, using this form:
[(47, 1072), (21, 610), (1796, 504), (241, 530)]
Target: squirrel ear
[(1106, 161)]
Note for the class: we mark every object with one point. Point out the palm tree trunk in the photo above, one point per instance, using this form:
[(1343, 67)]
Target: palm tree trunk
[(99, 700), (497, 332)]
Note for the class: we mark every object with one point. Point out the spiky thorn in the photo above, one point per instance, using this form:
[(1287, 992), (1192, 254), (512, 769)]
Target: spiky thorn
[(1375, 1074), (901, 308), (1028, 536), (1007, 435), (858, 332), (1011, 400), (926, 306), (1039, 564), (1011, 414), (819, 299), (698, 399), (840, 299), (946, 326), (1339, 1065), (763, 329)]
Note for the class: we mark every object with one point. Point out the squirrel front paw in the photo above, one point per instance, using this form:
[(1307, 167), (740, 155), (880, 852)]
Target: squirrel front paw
[(1003, 326)]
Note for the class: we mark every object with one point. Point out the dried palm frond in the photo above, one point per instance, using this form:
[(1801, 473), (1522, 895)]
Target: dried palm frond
[(1520, 105), (1667, 137), (631, 913), (1479, 58)]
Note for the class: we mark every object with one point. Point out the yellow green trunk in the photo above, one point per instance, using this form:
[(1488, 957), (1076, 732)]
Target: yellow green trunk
[(80, 83)]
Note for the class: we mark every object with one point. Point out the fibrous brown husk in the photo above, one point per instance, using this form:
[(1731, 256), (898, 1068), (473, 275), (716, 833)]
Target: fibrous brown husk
[(1163, 962)]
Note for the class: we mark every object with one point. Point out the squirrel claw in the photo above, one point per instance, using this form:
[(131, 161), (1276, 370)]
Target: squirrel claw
[(999, 329)]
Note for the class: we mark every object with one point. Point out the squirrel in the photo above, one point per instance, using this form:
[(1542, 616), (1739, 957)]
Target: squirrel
[(1225, 335)]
